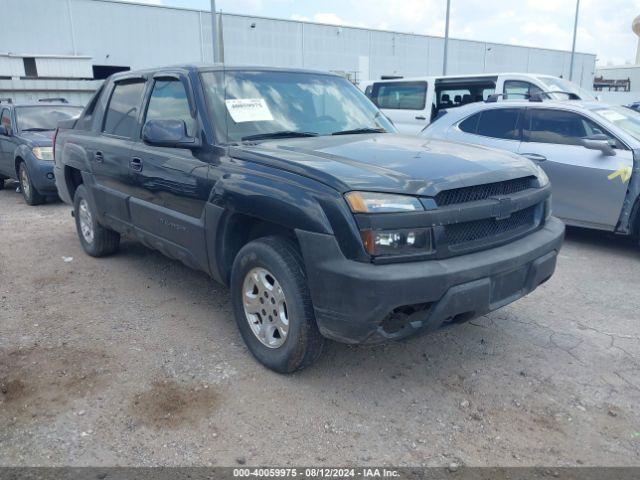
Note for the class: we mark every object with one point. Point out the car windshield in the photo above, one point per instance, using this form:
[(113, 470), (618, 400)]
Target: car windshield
[(623, 118), (561, 85), (258, 105), (43, 118)]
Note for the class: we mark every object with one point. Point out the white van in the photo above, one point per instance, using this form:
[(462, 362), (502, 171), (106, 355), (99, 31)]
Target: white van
[(411, 103)]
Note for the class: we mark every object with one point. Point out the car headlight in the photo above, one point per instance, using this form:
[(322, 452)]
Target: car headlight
[(372, 202), (406, 241), (543, 180), (43, 153)]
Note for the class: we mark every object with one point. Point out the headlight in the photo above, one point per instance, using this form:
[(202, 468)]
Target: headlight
[(408, 241), (372, 202), (543, 180), (43, 153)]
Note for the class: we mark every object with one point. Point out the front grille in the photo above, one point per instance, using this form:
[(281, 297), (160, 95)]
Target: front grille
[(488, 228), (482, 192)]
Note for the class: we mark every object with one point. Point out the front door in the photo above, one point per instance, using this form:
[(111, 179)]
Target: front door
[(170, 186), (582, 192), (7, 145)]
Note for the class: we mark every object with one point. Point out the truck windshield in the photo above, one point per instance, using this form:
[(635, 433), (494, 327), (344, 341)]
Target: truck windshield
[(42, 118), (622, 117), (257, 105)]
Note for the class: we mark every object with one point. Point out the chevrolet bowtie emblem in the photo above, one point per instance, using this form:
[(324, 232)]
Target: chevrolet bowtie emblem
[(623, 172)]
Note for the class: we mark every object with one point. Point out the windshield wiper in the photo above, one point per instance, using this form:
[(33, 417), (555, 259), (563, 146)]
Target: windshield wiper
[(280, 134), (360, 130), (37, 129)]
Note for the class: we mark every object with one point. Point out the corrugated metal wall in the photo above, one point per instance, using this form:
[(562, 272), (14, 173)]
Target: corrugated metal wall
[(140, 36)]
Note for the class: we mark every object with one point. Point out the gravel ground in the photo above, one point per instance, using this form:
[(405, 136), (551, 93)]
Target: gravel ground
[(136, 360)]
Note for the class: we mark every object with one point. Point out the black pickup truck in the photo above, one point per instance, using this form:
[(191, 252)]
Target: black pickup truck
[(290, 187)]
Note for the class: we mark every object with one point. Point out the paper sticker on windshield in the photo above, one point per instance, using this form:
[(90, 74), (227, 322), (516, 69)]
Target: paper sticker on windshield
[(611, 115), (248, 110)]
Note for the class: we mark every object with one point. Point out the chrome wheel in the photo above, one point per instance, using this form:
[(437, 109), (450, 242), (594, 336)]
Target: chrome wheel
[(86, 220), (25, 185), (265, 307)]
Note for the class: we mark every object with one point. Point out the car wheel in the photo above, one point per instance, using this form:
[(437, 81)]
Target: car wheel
[(29, 192), (273, 307), (96, 240)]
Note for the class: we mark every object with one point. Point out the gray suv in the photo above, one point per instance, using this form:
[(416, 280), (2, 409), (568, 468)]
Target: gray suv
[(589, 150)]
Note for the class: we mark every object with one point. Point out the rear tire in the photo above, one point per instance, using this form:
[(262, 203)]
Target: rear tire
[(273, 307), (29, 192), (96, 240)]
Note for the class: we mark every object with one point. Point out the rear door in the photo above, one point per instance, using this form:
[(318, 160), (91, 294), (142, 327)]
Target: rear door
[(405, 103), (110, 151), (582, 192), (170, 186)]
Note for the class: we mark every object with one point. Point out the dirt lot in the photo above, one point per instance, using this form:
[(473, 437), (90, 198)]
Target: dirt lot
[(136, 360)]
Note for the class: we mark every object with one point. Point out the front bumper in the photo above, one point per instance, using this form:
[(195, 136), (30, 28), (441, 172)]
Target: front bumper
[(358, 302), (41, 173)]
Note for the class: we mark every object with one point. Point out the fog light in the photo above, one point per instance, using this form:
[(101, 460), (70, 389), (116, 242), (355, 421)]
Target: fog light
[(50, 176), (409, 241)]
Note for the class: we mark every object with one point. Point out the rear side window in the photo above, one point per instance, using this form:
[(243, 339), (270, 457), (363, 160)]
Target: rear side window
[(169, 102), (499, 123), (121, 118), (496, 123), (470, 125), (400, 95)]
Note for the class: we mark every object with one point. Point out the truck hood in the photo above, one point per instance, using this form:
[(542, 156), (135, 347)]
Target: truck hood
[(38, 139), (388, 162)]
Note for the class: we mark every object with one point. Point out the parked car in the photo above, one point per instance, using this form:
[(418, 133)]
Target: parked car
[(26, 151), (634, 106), (412, 103), (291, 187), (588, 149)]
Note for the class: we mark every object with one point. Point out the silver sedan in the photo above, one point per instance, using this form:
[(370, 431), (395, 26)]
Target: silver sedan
[(589, 150)]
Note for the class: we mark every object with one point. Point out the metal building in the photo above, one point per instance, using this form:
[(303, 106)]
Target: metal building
[(65, 45)]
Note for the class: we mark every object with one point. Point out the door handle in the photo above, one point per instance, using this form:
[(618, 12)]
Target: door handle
[(98, 157), (135, 164), (536, 157), (421, 117)]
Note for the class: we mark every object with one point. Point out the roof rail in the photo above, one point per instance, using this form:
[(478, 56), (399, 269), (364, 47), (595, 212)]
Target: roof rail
[(6, 100), (53, 99)]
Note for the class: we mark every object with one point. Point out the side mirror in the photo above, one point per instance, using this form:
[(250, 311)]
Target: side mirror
[(168, 133), (599, 142), (3, 131)]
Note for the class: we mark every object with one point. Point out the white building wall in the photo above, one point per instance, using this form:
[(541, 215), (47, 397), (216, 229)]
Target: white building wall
[(141, 36), (632, 72)]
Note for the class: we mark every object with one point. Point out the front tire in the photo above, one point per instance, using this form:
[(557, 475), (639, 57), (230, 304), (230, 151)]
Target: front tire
[(29, 192), (273, 307), (96, 240)]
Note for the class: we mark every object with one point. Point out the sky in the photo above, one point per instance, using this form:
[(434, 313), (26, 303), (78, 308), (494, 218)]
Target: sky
[(604, 26)]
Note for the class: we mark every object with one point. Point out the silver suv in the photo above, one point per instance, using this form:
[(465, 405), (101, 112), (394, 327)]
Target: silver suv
[(589, 150)]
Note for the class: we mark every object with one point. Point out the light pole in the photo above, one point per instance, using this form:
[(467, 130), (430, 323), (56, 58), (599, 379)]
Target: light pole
[(575, 33), (446, 39), (214, 33)]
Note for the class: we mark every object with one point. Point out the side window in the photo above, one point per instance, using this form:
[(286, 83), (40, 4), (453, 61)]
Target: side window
[(518, 89), (470, 125), (169, 102), (559, 127), (122, 112), (400, 95), (499, 123), (5, 118)]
